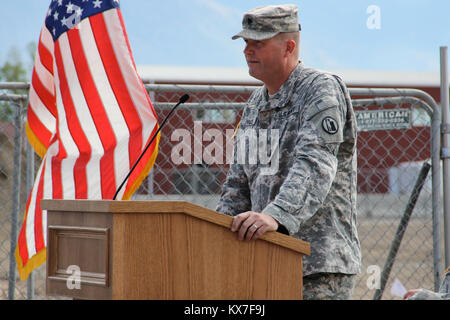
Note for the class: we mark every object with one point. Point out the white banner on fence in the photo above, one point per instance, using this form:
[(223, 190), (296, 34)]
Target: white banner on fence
[(386, 119)]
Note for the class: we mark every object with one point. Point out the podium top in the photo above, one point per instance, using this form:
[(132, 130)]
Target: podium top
[(182, 207)]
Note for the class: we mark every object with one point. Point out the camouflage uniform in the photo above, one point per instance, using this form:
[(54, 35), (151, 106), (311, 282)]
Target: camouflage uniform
[(443, 294), (309, 183), (313, 193), (328, 286)]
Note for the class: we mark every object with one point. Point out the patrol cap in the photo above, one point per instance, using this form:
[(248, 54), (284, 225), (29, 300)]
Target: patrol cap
[(265, 22)]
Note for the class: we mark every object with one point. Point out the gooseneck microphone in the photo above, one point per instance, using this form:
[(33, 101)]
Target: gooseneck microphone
[(183, 99)]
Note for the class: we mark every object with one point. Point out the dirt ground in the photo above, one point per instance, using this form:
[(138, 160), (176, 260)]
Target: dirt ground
[(20, 292), (413, 265)]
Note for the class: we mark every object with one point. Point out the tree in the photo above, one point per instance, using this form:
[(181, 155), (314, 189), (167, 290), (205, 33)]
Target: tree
[(14, 70)]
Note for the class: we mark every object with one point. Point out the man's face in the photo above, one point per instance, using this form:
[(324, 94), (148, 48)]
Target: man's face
[(264, 57)]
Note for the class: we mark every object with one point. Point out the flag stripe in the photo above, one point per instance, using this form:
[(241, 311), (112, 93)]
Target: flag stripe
[(30, 249), (62, 165), (44, 95), (38, 228), (45, 77), (100, 118), (134, 84), (41, 111), (118, 86), (22, 239), (36, 126), (122, 32), (45, 49), (73, 124), (48, 186), (141, 171), (141, 84), (57, 191), (72, 54), (113, 111)]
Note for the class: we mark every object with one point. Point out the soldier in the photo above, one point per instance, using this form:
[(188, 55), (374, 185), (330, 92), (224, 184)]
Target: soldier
[(424, 294), (310, 193)]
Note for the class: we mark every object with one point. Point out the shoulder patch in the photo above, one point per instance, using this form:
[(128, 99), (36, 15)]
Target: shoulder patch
[(330, 125)]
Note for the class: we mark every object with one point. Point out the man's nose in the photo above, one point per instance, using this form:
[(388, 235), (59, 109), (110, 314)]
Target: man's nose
[(248, 50)]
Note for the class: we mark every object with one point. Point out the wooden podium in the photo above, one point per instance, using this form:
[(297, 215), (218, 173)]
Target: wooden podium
[(163, 250)]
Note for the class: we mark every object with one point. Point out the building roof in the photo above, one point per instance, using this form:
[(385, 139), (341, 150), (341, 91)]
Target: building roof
[(224, 75)]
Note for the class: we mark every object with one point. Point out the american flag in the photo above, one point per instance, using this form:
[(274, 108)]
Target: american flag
[(89, 115)]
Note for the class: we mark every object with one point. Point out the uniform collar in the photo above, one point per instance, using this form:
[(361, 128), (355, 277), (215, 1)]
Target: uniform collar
[(284, 94)]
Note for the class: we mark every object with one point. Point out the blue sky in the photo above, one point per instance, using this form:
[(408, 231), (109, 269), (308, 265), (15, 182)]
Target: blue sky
[(198, 32)]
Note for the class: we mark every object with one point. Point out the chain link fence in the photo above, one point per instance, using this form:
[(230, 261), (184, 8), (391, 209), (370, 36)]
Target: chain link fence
[(389, 162), (12, 170), (396, 137)]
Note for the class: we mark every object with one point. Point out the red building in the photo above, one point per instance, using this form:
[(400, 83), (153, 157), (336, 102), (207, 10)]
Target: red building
[(378, 151)]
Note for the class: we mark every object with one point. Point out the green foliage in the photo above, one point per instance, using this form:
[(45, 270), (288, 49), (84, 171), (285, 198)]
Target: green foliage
[(15, 70)]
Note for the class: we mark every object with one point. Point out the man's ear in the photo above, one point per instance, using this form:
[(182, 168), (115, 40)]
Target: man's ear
[(290, 47)]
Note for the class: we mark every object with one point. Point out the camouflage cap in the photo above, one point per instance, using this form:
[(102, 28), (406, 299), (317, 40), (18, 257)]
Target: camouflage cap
[(266, 22)]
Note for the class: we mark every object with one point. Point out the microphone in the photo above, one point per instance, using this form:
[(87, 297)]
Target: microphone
[(183, 99)]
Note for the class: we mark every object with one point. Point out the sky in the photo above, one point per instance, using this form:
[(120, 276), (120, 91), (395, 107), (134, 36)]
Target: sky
[(383, 35)]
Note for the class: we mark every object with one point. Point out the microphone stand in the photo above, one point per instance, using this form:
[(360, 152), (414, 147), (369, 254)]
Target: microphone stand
[(183, 99)]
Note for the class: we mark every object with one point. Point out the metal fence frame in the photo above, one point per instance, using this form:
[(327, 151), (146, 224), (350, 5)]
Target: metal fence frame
[(434, 112), (381, 96), (419, 96)]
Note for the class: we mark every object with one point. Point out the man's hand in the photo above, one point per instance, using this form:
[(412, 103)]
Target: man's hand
[(410, 293), (251, 225)]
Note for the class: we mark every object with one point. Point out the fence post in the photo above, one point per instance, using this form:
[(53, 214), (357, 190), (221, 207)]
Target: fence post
[(401, 229), (15, 199), (150, 179), (445, 149)]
